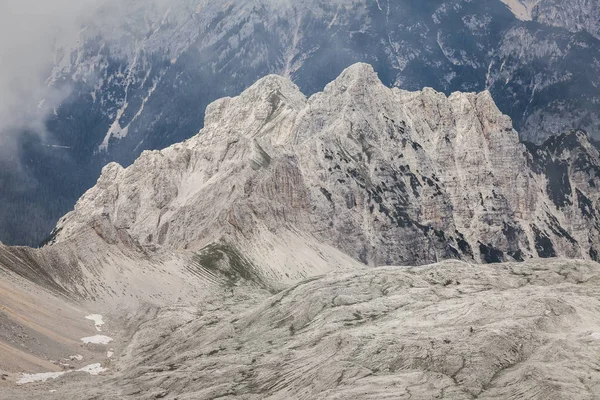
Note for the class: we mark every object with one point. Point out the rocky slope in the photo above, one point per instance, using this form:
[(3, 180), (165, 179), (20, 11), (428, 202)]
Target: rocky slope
[(523, 9), (576, 16), (142, 72), (448, 331), (242, 263)]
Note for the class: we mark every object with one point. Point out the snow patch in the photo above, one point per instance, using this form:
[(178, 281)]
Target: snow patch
[(522, 9), (98, 339), (93, 369), (43, 377), (115, 130), (98, 321)]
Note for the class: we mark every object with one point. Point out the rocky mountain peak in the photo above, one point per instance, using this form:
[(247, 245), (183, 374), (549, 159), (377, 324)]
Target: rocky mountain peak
[(358, 166), (259, 111), (360, 76), (141, 74)]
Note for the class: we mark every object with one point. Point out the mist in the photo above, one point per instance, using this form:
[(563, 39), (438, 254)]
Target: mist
[(29, 31)]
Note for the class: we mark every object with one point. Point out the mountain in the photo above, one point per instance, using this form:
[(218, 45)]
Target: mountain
[(257, 259), (361, 167), (576, 16), (141, 74)]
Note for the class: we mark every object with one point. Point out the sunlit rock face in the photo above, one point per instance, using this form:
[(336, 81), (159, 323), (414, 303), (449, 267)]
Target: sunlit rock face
[(387, 176), (142, 73)]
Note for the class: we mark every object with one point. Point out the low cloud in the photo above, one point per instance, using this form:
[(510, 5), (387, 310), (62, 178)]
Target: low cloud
[(29, 31)]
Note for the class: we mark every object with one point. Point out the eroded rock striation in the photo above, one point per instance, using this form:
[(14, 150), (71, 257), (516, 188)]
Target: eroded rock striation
[(387, 176), (450, 331)]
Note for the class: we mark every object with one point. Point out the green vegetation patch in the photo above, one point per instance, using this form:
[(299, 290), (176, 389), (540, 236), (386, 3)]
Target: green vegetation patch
[(222, 260)]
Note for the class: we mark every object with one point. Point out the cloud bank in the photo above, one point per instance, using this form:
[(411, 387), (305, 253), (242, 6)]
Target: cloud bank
[(29, 31)]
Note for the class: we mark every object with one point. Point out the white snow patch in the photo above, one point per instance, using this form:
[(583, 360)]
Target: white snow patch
[(77, 357), (93, 369), (115, 130), (522, 9), (333, 21), (43, 377), (98, 321), (98, 339), (110, 353), (595, 335), (119, 132)]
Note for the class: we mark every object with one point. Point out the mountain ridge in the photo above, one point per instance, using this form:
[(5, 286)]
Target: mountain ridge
[(258, 258), (392, 154), (141, 76)]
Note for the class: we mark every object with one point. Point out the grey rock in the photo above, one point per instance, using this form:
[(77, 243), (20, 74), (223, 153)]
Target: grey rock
[(448, 331), (361, 167)]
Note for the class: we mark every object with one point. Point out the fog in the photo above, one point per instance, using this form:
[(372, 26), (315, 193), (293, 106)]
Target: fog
[(29, 30)]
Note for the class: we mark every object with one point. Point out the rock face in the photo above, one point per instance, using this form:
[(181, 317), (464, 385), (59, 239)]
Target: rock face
[(576, 16), (451, 331), (234, 265), (142, 73), (387, 176), (533, 70)]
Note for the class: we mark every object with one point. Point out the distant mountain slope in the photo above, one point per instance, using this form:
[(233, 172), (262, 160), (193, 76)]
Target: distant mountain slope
[(576, 15)]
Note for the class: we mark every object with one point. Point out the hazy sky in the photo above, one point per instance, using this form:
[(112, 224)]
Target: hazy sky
[(28, 31)]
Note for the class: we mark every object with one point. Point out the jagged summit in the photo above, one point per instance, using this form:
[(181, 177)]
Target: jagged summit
[(361, 75), (359, 166)]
